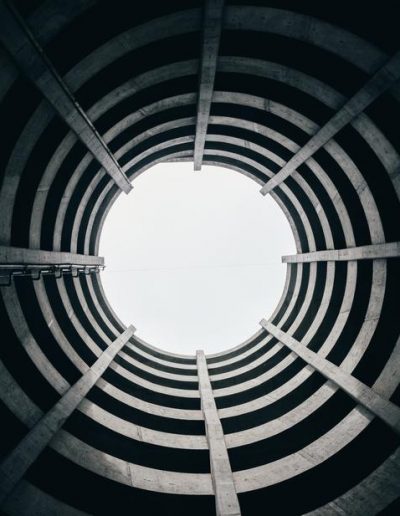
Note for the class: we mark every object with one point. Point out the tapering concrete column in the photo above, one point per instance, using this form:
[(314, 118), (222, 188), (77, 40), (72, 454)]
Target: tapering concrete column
[(31, 59), (15, 465), (213, 11), (226, 500), (361, 393), (378, 84)]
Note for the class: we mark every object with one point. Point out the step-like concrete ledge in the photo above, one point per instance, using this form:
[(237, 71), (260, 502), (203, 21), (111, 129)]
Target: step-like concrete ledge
[(24, 256), (226, 500), (361, 393), (20, 459), (365, 252)]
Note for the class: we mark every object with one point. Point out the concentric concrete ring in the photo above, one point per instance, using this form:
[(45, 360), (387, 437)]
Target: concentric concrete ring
[(309, 406)]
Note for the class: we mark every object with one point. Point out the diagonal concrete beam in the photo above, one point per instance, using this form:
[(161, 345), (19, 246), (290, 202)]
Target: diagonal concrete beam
[(16, 464), (226, 500), (24, 256), (33, 62), (212, 23), (361, 393), (378, 84), (364, 252)]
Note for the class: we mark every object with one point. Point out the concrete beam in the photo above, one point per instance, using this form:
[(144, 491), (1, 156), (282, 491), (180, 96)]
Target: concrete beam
[(15, 465), (226, 500), (33, 62), (364, 252), (24, 256), (378, 84), (361, 393), (212, 22)]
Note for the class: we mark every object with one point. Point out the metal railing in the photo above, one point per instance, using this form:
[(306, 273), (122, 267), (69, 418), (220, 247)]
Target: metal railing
[(35, 271)]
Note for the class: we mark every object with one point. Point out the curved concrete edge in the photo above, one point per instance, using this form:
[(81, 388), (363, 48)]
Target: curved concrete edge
[(127, 473), (27, 499), (386, 77), (361, 393), (31, 59), (226, 500), (371, 496), (18, 461)]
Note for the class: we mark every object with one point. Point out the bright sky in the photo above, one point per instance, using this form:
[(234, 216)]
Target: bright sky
[(193, 259)]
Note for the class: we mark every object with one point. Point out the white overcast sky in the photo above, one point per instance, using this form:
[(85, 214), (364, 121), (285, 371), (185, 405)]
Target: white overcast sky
[(193, 259)]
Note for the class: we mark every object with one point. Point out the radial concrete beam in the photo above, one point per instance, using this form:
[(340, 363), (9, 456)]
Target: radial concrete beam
[(24, 256), (226, 500), (213, 12), (378, 84), (20, 459), (365, 252), (33, 62), (361, 393)]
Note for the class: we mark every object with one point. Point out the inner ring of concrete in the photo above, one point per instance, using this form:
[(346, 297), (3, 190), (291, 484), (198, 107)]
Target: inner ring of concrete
[(304, 99), (111, 246)]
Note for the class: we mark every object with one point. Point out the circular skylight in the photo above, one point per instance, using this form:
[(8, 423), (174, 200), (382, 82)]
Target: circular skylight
[(193, 259)]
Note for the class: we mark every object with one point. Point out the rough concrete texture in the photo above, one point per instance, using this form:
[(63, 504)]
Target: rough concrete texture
[(366, 252), (23, 256), (361, 393), (213, 13), (16, 464), (27, 52), (384, 79), (226, 500), (255, 89)]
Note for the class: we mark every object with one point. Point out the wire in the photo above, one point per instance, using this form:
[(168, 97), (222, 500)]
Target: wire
[(228, 266)]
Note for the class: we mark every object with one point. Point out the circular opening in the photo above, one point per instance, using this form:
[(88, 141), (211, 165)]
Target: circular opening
[(193, 259)]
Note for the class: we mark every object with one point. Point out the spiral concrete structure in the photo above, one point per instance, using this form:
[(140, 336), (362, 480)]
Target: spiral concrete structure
[(303, 417)]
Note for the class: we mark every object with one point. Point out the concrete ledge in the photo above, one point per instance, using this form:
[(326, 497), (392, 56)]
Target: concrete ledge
[(128, 473), (226, 500), (378, 84), (20, 459), (24, 256), (213, 11), (31, 59), (361, 393), (365, 252)]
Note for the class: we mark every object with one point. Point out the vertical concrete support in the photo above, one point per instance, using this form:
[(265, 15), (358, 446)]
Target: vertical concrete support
[(20, 459), (361, 393), (378, 84), (31, 59), (226, 500), (364, 252), (213, 11)]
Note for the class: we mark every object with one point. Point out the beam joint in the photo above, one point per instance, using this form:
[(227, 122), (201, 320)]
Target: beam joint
[(212, 24), (35, 263), (365, 252), (361, 393), (383, 79), (26, 256), (15, 465), (226, 500), (31, 59)]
